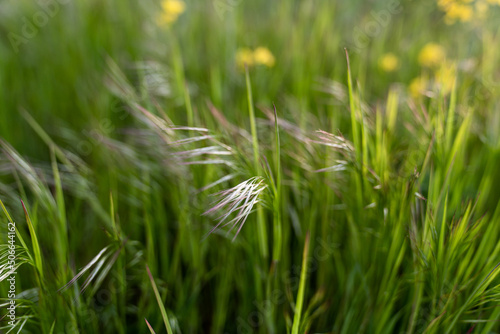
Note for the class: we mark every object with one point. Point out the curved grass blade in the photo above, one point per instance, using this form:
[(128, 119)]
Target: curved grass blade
[(160, 302)]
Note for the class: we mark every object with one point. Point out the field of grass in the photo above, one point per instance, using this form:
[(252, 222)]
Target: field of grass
[(232, 166)]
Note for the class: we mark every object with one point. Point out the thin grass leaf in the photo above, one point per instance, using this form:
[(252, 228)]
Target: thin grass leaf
[(149, 326), (36, 247), (160, 302), (302, 286), (97, 258)]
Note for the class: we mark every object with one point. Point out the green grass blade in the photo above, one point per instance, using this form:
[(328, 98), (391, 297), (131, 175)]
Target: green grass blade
[(261, 228), (160, 302), (302, 286), (277, 233), (36, 247), (19, 236)]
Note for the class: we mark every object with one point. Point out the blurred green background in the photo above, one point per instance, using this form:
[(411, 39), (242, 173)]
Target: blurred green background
[(73, 72)]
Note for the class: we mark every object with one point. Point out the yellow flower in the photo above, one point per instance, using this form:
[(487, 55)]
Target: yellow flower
[(417, 86), (465, 10), (431, 55), (263, 56), (389, 62), (260, 56), (171, 10), (445, 77), (244, 57), (457, 11)]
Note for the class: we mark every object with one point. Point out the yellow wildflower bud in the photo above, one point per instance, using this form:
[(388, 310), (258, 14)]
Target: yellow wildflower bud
[(171, 10), (431, 55), (263, 56), (244, 57), (389, 62)]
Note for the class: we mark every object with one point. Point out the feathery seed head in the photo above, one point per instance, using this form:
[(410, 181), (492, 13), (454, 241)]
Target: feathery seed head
[(240, 200)]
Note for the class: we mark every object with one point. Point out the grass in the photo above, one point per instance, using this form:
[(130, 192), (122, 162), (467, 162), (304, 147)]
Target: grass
[(156, 185)]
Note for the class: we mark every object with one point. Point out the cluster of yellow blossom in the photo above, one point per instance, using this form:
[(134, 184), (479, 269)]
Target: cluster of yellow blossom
[(465, 10), (171, 10), (260, 56), (433, 57)]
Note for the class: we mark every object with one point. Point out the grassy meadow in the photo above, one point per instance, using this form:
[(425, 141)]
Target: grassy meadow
[(232, 166)]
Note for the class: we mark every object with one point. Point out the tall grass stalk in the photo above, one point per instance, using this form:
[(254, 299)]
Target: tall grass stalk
[(277, 224), (302, 286), (261, 227)]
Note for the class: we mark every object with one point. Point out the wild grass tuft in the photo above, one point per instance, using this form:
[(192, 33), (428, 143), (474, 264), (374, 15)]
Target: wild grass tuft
[(155, 186)]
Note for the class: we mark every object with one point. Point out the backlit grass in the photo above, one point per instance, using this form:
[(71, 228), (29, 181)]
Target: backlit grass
[(251, 166)]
